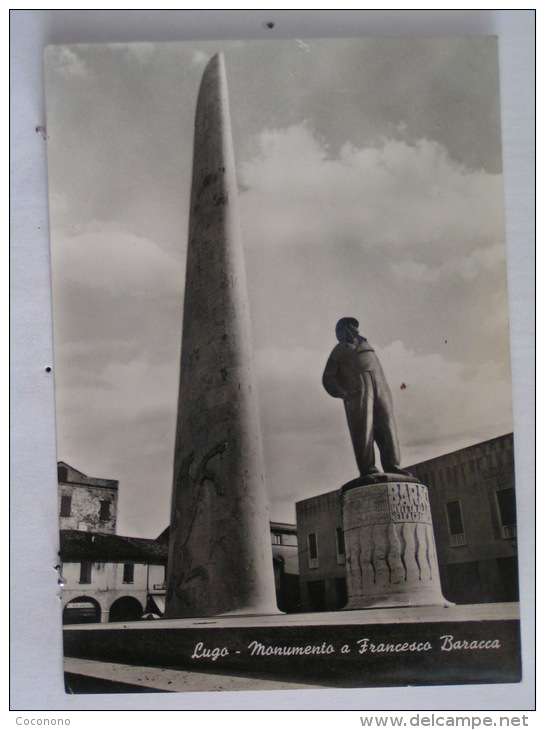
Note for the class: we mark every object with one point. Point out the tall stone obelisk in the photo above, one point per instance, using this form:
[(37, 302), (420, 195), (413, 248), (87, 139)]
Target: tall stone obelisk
[(220, 555)]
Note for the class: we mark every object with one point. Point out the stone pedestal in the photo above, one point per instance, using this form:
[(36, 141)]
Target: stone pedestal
[(390, 547)]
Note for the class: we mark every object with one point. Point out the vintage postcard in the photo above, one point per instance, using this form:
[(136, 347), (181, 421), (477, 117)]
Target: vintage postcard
[(283, 397)]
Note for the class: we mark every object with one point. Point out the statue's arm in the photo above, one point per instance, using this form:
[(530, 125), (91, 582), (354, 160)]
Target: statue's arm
[(331, 378)]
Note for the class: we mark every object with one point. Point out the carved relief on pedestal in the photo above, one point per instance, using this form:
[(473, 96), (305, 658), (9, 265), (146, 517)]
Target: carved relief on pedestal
[(390, 547)]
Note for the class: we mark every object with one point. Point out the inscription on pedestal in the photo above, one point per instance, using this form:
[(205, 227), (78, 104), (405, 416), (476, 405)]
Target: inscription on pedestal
[(378, 504), (368, 506), (409, 503)]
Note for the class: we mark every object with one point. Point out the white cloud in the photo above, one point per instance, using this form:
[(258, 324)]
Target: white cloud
[(400, 194), (114, 398), (444, 401), (467, 267), (118, 261), (299, 363), (200, 58)]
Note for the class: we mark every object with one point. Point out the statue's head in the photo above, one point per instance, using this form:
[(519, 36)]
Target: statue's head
[(346, 329)]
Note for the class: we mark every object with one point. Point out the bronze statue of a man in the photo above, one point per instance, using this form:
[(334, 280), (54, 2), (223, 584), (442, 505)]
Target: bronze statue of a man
[(353, 373)]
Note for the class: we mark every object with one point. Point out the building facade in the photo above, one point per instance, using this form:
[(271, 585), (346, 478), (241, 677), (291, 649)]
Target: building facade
[(322, 572), (286, 566), (472, 498), (111, 577), (86, 503), (105, 576)]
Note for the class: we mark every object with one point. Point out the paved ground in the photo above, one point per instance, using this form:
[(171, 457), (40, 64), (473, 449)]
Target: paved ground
[(86, 676)]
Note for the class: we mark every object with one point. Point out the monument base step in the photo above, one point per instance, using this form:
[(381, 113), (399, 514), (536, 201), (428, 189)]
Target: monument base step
[(371, 648), (391, 600)]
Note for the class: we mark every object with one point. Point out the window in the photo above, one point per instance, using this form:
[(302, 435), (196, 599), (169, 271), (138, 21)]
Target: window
[(85, 572), (128, 573), (104, 510), (66, 505), (505, 499), (276, 539), (339, 534), (455, 523), (312, 550)]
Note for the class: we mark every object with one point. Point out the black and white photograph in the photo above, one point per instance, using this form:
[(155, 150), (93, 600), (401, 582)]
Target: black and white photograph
[(272, 362), (282, 376)]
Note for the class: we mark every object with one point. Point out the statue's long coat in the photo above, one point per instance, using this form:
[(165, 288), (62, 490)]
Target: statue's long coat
[(353, 373)]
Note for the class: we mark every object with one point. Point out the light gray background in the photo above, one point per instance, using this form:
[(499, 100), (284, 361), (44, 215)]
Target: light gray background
[(36, 635)]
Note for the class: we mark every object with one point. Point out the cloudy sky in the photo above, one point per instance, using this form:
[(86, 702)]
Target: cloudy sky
[(370, 185)]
